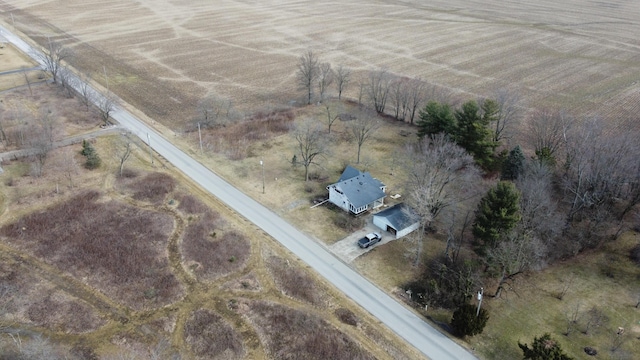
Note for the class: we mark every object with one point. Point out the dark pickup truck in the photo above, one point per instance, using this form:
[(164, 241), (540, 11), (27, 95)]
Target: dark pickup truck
[(369, 239)]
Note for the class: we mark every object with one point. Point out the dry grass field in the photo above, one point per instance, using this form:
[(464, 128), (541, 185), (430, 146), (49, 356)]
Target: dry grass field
[(147, 266), (163, 56)]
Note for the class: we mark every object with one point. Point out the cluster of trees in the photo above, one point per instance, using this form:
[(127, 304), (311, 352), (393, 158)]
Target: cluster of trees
[(315, 77), (55, 57)]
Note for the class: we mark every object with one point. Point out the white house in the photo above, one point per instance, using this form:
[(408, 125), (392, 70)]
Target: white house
[(396, 220), (357, 191)]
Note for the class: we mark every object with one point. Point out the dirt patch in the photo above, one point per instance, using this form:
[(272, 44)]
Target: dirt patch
[(211, 337), (210, 251), (292, 334), (119, 247)]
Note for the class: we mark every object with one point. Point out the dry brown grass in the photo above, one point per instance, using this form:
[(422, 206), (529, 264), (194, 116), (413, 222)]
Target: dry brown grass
[(211, 251), (292, 334), (190, 204), (27, 298), (211, 337), (234, 139), (55, 312), (153, 187), (119, 247), (293, 281)]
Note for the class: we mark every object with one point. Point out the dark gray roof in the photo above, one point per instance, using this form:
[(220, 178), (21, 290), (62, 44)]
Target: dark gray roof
[(361, 189), (348, 173), (398, 217)]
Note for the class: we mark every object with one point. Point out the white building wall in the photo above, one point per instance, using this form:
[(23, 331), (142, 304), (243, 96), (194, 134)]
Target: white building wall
[(338, 199)]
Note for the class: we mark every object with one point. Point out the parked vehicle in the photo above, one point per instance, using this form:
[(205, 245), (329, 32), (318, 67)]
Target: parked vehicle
[(369, 239)]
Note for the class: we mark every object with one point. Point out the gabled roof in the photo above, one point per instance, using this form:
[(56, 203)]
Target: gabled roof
[(348, 173), (398, 217), (361, 189)]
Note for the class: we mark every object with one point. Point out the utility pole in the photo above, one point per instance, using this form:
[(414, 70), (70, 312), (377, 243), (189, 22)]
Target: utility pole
[(480, 293), (262, 165), (200, 136), (13, 21), (150, 150)]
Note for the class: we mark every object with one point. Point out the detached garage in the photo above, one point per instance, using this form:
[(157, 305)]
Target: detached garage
[(396, 220)]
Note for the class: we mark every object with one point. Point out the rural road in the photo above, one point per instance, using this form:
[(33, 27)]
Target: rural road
[(386, 309)]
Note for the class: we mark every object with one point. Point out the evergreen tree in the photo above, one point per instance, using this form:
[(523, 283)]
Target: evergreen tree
[(465, 322), (93, 160), (545, 157), (436, 118), (473, 133), (514, 164), (498, 212), (87, 148), (543, 348)]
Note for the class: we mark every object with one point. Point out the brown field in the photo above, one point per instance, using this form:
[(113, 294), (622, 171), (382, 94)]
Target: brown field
[(163, 56)]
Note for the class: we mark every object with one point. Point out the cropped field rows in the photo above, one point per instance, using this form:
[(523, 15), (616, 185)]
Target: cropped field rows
[(574, 54)]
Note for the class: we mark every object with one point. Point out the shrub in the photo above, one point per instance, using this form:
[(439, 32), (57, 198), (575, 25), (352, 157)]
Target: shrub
[(346, 316), (294, 334), (116, 245), (153, 188), (209, 336), (292, 280), (214, 254), (543, 348), (466, 323)]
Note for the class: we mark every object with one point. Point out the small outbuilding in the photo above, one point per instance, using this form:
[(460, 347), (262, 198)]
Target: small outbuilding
[(398, 220)]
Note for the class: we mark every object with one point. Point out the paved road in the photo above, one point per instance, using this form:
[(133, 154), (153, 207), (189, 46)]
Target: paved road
[(390, 312)]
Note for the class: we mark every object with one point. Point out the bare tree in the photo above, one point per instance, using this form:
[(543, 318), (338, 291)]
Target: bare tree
[(572, 316), (123, 151), (456, 231), (105, 106), (214, 110), (378, 89), (325, 78), (42, 139), (311, 144), (68, 165), (538, 209), (399, 96), (513, 256), (362, 129), (601, 170), (440, 174), (26, 79), (52, 58), (415, 98), (331, 118), (343, 77), (85, 93), (595, 319), (509, 113), (67, 81), (548, 131), (308, 72)]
